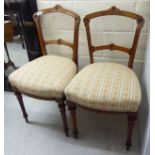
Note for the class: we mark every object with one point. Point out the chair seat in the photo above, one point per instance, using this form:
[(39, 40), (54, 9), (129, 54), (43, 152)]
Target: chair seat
[(105, 87), (45, 77)]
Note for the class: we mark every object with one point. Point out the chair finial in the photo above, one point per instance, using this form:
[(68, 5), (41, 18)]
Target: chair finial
[(114, 9), (57, 7)]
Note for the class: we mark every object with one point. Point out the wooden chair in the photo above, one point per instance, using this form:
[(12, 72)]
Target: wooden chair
[(107, 87), (47, 76)]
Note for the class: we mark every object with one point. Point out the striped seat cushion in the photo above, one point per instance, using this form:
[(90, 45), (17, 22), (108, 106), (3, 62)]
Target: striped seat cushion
[(105, 86), (45, 77)]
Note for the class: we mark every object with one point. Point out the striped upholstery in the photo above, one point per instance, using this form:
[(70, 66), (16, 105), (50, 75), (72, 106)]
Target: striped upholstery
[(45, 77), (105, 86)]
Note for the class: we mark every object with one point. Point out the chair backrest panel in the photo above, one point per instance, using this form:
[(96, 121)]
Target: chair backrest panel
[(114, 11), (43, 43)]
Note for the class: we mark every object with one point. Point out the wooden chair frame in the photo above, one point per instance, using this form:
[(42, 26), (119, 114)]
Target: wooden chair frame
[(131, 116), (43, 43)]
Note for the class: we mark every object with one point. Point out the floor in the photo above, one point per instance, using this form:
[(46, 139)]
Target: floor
[(99, 134), (17, 54)]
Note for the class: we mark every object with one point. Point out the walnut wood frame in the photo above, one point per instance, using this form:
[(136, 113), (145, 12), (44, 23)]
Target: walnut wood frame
[(114, 11), (131, 116), (43, 43)]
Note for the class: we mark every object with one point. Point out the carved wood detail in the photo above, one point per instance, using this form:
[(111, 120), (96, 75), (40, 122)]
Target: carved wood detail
[(114, 11), (43, 43)]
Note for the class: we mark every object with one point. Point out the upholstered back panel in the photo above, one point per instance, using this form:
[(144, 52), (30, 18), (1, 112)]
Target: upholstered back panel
[(45, 41)]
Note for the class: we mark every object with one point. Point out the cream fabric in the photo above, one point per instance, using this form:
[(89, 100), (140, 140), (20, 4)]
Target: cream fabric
[(46, 76), (105, 86)]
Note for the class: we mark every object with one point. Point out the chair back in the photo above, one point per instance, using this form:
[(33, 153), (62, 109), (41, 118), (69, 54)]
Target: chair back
[(114, 11), (43, 42)]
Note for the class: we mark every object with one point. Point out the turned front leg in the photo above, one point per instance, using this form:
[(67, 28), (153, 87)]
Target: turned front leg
[(131, 122), (62, 109), (21, 103), (72, 109)]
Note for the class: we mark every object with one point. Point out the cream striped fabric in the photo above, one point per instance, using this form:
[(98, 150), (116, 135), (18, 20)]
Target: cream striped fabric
[(105, 86), (46, 76)]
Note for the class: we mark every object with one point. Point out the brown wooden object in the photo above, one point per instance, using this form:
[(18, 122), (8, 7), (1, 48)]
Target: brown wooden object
[(43, 43), (114, 11), (8, 31)]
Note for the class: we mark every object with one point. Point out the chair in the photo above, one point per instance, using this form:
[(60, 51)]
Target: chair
[(47, 76), (107, 87)]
